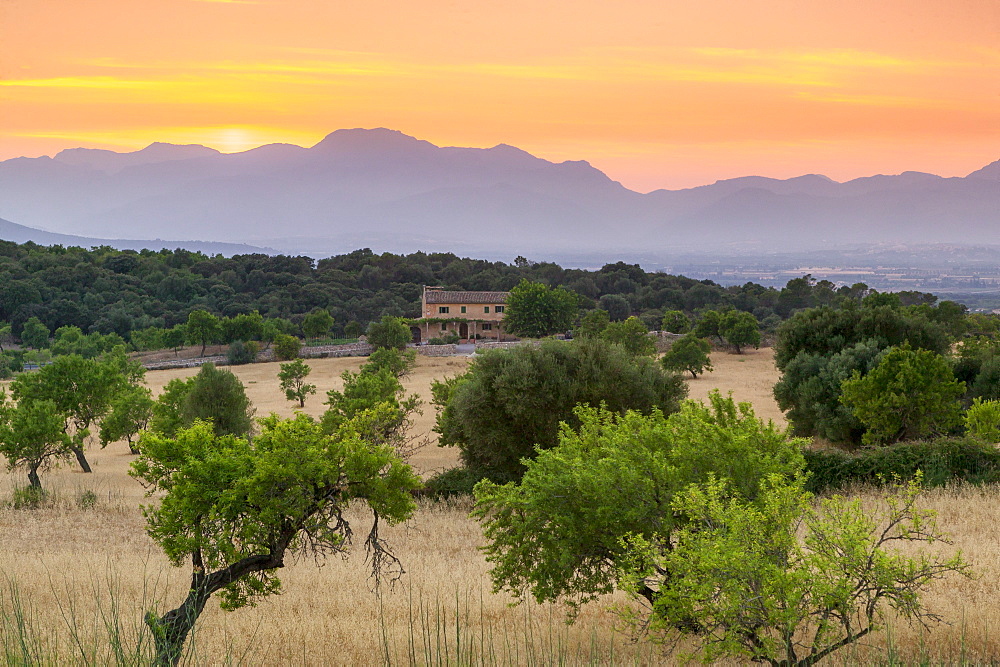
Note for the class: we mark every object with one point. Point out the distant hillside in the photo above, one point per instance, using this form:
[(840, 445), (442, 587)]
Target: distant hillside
[(384, 189), (10, 231)]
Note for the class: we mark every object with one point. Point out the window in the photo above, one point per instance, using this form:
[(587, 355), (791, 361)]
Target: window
[(444, 326), (487, 326), (498, 309), (486, 309), (463, 309), (442, 310)]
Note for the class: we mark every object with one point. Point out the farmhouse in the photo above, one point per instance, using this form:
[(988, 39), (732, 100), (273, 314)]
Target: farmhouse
[(470, 315)]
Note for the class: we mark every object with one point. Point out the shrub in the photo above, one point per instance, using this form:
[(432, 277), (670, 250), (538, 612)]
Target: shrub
[(286, 347), (28, 498), (450, 483), (982, 420), (942, 461), (240, 353)]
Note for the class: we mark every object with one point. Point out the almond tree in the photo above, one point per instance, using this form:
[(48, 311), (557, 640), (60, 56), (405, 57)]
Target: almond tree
[(234, 508)]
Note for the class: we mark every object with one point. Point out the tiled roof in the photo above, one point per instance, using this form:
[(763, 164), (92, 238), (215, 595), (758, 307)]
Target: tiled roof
[(440, 296)]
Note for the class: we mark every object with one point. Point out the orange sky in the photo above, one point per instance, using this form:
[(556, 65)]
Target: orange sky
[(657, 93)]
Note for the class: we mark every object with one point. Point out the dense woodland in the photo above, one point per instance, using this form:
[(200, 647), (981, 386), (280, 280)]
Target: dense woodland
[(104, 290)]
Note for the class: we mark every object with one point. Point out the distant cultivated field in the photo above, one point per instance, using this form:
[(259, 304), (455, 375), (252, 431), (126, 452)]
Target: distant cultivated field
[(77, 570)]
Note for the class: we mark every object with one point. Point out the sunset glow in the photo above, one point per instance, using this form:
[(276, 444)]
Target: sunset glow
[(655, 94)]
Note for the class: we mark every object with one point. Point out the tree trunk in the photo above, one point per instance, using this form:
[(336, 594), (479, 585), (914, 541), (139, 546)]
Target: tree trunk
[(33, 478), (81, 457), (170, 631)]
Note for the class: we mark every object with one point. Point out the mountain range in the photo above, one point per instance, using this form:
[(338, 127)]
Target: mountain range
[(383, 189)]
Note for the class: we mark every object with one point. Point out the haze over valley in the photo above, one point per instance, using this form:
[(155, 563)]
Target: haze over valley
[(383, 189)]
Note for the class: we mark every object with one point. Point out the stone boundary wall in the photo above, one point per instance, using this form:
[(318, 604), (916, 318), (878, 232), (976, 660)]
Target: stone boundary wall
[(310, 352), (664, 339), (437, 350)]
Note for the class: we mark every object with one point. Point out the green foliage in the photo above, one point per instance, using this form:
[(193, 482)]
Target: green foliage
[(809, 392), (534, 310), (81, 389), (317, 323), (399, 363), (631, 334), (942, 461), (739, 330), (616, 306), (390, 333), (35, 334), (778, 580), (203, 327), (558, 533), (353, 329), (292, 377), (982, 420), (32, 436), (29, 497), (240, 352), (245, 327), (365, 390), (450, 483), (676, 322), (818, 348), (236, 507), (593, 324), (512, 401), (71, 340), (131, 413), (709, 324), (168, 410), (217, 396), (909, 394), (690, 354), (286, 347)]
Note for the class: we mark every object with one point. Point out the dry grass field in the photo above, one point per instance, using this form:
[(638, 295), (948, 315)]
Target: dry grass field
[(76, 571)]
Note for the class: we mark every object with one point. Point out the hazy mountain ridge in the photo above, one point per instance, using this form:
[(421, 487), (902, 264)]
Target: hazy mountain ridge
[(406, 194)]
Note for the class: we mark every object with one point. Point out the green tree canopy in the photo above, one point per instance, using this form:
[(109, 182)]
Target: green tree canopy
[(909, 394), (690, 354), (292, 378), (631, 334), (558, 533), (32, 436), (317, 323), (675, 321), (203, 327), (512, 401), (35, 334), (534, 310), (390, 333), (739, 330), (237, 507)]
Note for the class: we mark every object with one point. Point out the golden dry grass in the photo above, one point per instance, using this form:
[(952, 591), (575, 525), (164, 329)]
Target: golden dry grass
[(71, 562)]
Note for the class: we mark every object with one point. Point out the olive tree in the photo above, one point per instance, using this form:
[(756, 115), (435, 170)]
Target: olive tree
[(510, 402), (690, 354), (740, 330), (236, 508)]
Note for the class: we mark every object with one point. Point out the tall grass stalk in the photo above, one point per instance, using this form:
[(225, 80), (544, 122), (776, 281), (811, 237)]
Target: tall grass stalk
[(463, 631)]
